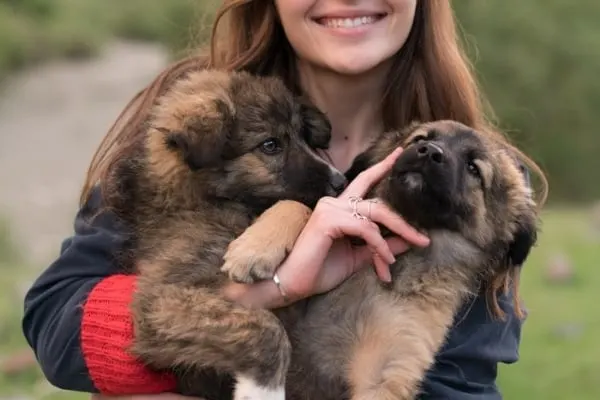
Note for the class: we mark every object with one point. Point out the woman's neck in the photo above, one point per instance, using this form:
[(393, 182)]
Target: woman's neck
[(352, 104)]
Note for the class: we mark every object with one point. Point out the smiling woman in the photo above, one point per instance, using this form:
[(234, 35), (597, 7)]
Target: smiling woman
[(347, 37), (370, 66)]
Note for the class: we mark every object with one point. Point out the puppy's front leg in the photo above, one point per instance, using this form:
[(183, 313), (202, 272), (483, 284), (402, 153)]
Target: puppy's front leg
[(191, 329), (263, 246), (397, 343)]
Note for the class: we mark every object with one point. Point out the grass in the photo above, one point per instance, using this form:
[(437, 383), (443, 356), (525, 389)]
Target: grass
[(552, 366), (560, 351), (14, 278)]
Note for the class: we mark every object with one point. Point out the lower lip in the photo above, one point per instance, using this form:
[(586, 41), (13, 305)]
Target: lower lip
[(352, 31)]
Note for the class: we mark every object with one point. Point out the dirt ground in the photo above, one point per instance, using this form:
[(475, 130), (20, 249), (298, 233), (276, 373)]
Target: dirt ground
[(52, 118)]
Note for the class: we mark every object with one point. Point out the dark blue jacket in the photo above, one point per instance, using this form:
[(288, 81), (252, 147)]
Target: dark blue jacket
[(466, 367)]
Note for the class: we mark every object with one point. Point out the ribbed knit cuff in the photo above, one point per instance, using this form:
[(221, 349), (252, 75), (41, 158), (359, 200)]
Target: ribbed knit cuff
[(107, 332)]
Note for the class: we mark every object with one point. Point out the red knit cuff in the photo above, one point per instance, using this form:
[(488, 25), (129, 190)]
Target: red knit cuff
[(107, 332)]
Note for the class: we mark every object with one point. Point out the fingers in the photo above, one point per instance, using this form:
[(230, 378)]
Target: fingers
[(363, 254), (377, 211), (382, 268), (335, 219), (397, 245), (370, 233), (363, 182)]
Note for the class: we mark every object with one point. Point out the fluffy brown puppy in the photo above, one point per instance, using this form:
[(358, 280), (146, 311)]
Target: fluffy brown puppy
[(367, 340), (220, 149)]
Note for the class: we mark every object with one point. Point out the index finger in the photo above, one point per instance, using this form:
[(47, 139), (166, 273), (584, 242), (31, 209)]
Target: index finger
[(363, 182)]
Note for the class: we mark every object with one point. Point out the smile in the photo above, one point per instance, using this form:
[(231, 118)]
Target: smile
[(349, 23)]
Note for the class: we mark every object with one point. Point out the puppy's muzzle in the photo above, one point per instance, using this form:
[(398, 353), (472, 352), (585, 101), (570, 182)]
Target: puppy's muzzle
[(421, 158), (431, 153)]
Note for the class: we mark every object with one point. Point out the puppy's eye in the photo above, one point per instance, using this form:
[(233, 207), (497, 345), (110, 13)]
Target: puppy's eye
[(270, 146), (474, 169)]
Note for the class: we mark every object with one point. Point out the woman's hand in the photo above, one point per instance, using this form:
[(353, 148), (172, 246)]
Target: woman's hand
[(323, 256)]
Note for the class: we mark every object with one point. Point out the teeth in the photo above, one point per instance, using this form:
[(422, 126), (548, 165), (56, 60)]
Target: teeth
[(348, 22)]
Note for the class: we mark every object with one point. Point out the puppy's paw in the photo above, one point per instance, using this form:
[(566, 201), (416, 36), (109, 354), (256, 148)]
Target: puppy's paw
[(250, 258), (263, 246), (248, 389)]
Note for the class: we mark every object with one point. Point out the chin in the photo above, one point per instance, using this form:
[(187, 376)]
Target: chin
[(355, 62)]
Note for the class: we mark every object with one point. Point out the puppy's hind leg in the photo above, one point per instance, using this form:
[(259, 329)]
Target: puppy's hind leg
[(192, 329), (395, 348), (259, 251)]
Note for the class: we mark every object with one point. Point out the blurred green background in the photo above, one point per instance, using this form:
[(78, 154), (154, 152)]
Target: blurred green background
[(67, 67)]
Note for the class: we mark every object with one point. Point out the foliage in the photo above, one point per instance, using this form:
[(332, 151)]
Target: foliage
[(537, 61), (36, 30)]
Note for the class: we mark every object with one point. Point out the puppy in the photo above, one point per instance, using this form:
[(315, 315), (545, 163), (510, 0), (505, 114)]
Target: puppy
[(220, 149), (367, 340)]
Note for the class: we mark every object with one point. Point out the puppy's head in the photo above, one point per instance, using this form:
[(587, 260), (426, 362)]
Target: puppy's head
[(454, 180), (239, 137)]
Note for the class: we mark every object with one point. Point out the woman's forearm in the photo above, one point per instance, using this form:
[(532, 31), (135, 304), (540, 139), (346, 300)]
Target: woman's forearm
[(263, 294)]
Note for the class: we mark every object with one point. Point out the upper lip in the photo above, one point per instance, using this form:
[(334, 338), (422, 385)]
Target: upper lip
[(349, 14)]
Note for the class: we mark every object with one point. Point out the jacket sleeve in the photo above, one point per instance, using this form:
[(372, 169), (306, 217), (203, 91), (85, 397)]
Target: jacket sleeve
[(467, 365), (77, 319)]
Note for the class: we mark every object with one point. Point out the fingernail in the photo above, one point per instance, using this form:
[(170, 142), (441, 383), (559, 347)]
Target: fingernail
[(424, 238), (388, 277)]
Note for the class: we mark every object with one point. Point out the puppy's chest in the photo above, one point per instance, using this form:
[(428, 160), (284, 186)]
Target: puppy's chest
[(335, 322)]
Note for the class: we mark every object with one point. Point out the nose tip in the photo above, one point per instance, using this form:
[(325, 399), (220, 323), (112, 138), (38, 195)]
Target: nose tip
[(338, 182), (431, 151)]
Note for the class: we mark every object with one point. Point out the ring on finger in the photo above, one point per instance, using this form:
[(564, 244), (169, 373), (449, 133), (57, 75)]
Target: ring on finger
[(354, 200), (370, 202)]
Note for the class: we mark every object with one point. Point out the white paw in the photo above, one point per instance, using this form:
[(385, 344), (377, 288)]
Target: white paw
[(247, 389)]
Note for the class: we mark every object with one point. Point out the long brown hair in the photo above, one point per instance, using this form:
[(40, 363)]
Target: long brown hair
[(431, 79)]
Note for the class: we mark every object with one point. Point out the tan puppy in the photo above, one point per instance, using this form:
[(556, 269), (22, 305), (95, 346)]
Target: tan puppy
[(365, 340)]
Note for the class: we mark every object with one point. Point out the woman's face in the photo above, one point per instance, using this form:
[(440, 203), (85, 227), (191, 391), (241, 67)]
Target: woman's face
[(346, 36)]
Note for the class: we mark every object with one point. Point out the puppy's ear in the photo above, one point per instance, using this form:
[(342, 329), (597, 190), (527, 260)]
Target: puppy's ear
[(523, 241), (197, 152), (203, 144), (360, 163), (316, 126)]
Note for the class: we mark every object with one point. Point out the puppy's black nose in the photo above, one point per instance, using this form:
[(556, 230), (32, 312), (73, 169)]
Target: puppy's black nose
[(431, 151), (338, 182)]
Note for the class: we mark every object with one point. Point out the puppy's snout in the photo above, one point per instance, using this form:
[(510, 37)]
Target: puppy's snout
[(431, 152), (337, 182)]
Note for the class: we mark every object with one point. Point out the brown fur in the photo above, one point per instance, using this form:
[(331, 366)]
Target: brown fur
[(220, 149), (366, 340)]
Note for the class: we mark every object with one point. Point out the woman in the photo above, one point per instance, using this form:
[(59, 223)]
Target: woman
[(370, 65)]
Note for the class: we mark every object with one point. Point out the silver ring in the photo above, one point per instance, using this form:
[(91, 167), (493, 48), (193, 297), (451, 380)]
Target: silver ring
[(282, 292), (354, 200), (371, 201)]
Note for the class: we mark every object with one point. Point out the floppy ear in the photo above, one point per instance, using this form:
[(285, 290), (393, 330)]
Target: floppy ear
[(197, 150), (361, 162), (316, 127), (202, 145), (523, 241)]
